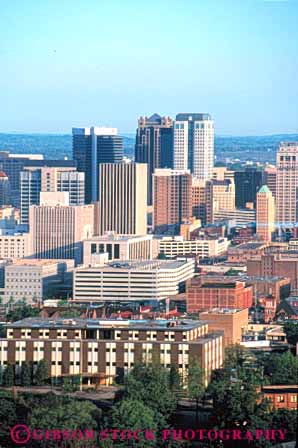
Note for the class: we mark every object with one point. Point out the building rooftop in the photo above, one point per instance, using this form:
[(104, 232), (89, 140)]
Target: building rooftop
[(39, 322), (249, 246), (35, 262), (222, 311), (116, 237), (264, 189), (146, 265)]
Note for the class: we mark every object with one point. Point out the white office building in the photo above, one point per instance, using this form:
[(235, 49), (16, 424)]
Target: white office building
[(132, 280)]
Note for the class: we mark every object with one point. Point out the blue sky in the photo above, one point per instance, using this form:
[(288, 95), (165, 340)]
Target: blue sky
[(67, 63)]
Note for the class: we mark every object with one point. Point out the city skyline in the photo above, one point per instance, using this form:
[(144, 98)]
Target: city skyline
[(238, 63)]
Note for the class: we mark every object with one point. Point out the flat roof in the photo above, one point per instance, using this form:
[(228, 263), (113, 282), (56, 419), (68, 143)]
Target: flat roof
[(248, 246), (159, 324), (36, 262), (146, 265), (116, 237)]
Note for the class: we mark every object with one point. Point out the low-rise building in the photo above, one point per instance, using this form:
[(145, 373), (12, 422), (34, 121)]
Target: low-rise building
[(205, 294), (140, 281), (15, 246), (231, 321), (118, 247), (201, 247), (102, 350), (281, 396), (245, 251), (34, 279), (242, 216)]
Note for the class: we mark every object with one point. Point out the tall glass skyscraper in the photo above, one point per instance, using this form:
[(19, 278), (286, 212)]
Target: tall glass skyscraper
[(92, 146)]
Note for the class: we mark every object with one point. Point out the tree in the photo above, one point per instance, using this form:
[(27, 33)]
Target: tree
[(291, 329), (152, 386), (174, 380), (26, 379), (195, 382), (281, 368), (8, 418), (51, 412), (134, 415), (21, 312), (41, 374), (8, 376)]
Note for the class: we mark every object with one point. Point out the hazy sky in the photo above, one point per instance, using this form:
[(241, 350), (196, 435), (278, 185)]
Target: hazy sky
[(67, 63)]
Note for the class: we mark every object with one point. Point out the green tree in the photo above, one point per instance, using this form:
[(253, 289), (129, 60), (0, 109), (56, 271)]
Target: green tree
[(41, 374), (281, 368), (8, 376), (195, 382), (151, 385), (291, 330), (175, 380), (21, 312), (8, 418), (134, 415), (53, 412), (26, 379)]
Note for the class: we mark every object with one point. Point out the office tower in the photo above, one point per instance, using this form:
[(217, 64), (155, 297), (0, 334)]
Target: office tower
[(220, 195), (92, 146), (265, 213), (35, 180), (13, 164), (172, 199), (287, 185), (270, 174), (154, 145), (247, 184), (122, 204), (194, 144), (223, 173), (5, 198), (57, 231), (199, 199)]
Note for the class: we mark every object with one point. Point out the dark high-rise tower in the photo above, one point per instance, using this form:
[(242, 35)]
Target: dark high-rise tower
[(4, 189), (154, 145), (92, 146), (247, 184)]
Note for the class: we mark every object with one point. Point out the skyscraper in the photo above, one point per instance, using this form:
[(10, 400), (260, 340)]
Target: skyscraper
[(154, 145), (270, 173), (265, 213), (220, 195), (122, 206), (92, 146), (5, 197), (13, 164), (247, 184), (194, 144), (35, 180), (57, 231), (172, 199), (287, 185)]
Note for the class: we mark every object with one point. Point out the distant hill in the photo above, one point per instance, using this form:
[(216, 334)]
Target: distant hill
[(261, 148)]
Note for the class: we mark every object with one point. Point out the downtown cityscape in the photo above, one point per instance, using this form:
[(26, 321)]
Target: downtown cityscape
[(148, 277)]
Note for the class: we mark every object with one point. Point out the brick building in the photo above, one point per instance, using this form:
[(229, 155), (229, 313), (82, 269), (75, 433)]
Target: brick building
[(281, 397), (100, 350), (208, 294)]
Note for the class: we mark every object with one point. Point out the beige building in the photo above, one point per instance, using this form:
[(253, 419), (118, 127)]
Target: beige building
[(287, 185), (57, 231), (232, 321), (220, 195), (33, 279), (15, 246), (198, 197), (172, 200), (202, 247), (265, 214), (222, 173), (118, 247), (122, 206)]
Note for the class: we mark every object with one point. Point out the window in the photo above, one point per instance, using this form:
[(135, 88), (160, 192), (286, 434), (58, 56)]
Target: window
[(280, 399), (293, 398)]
